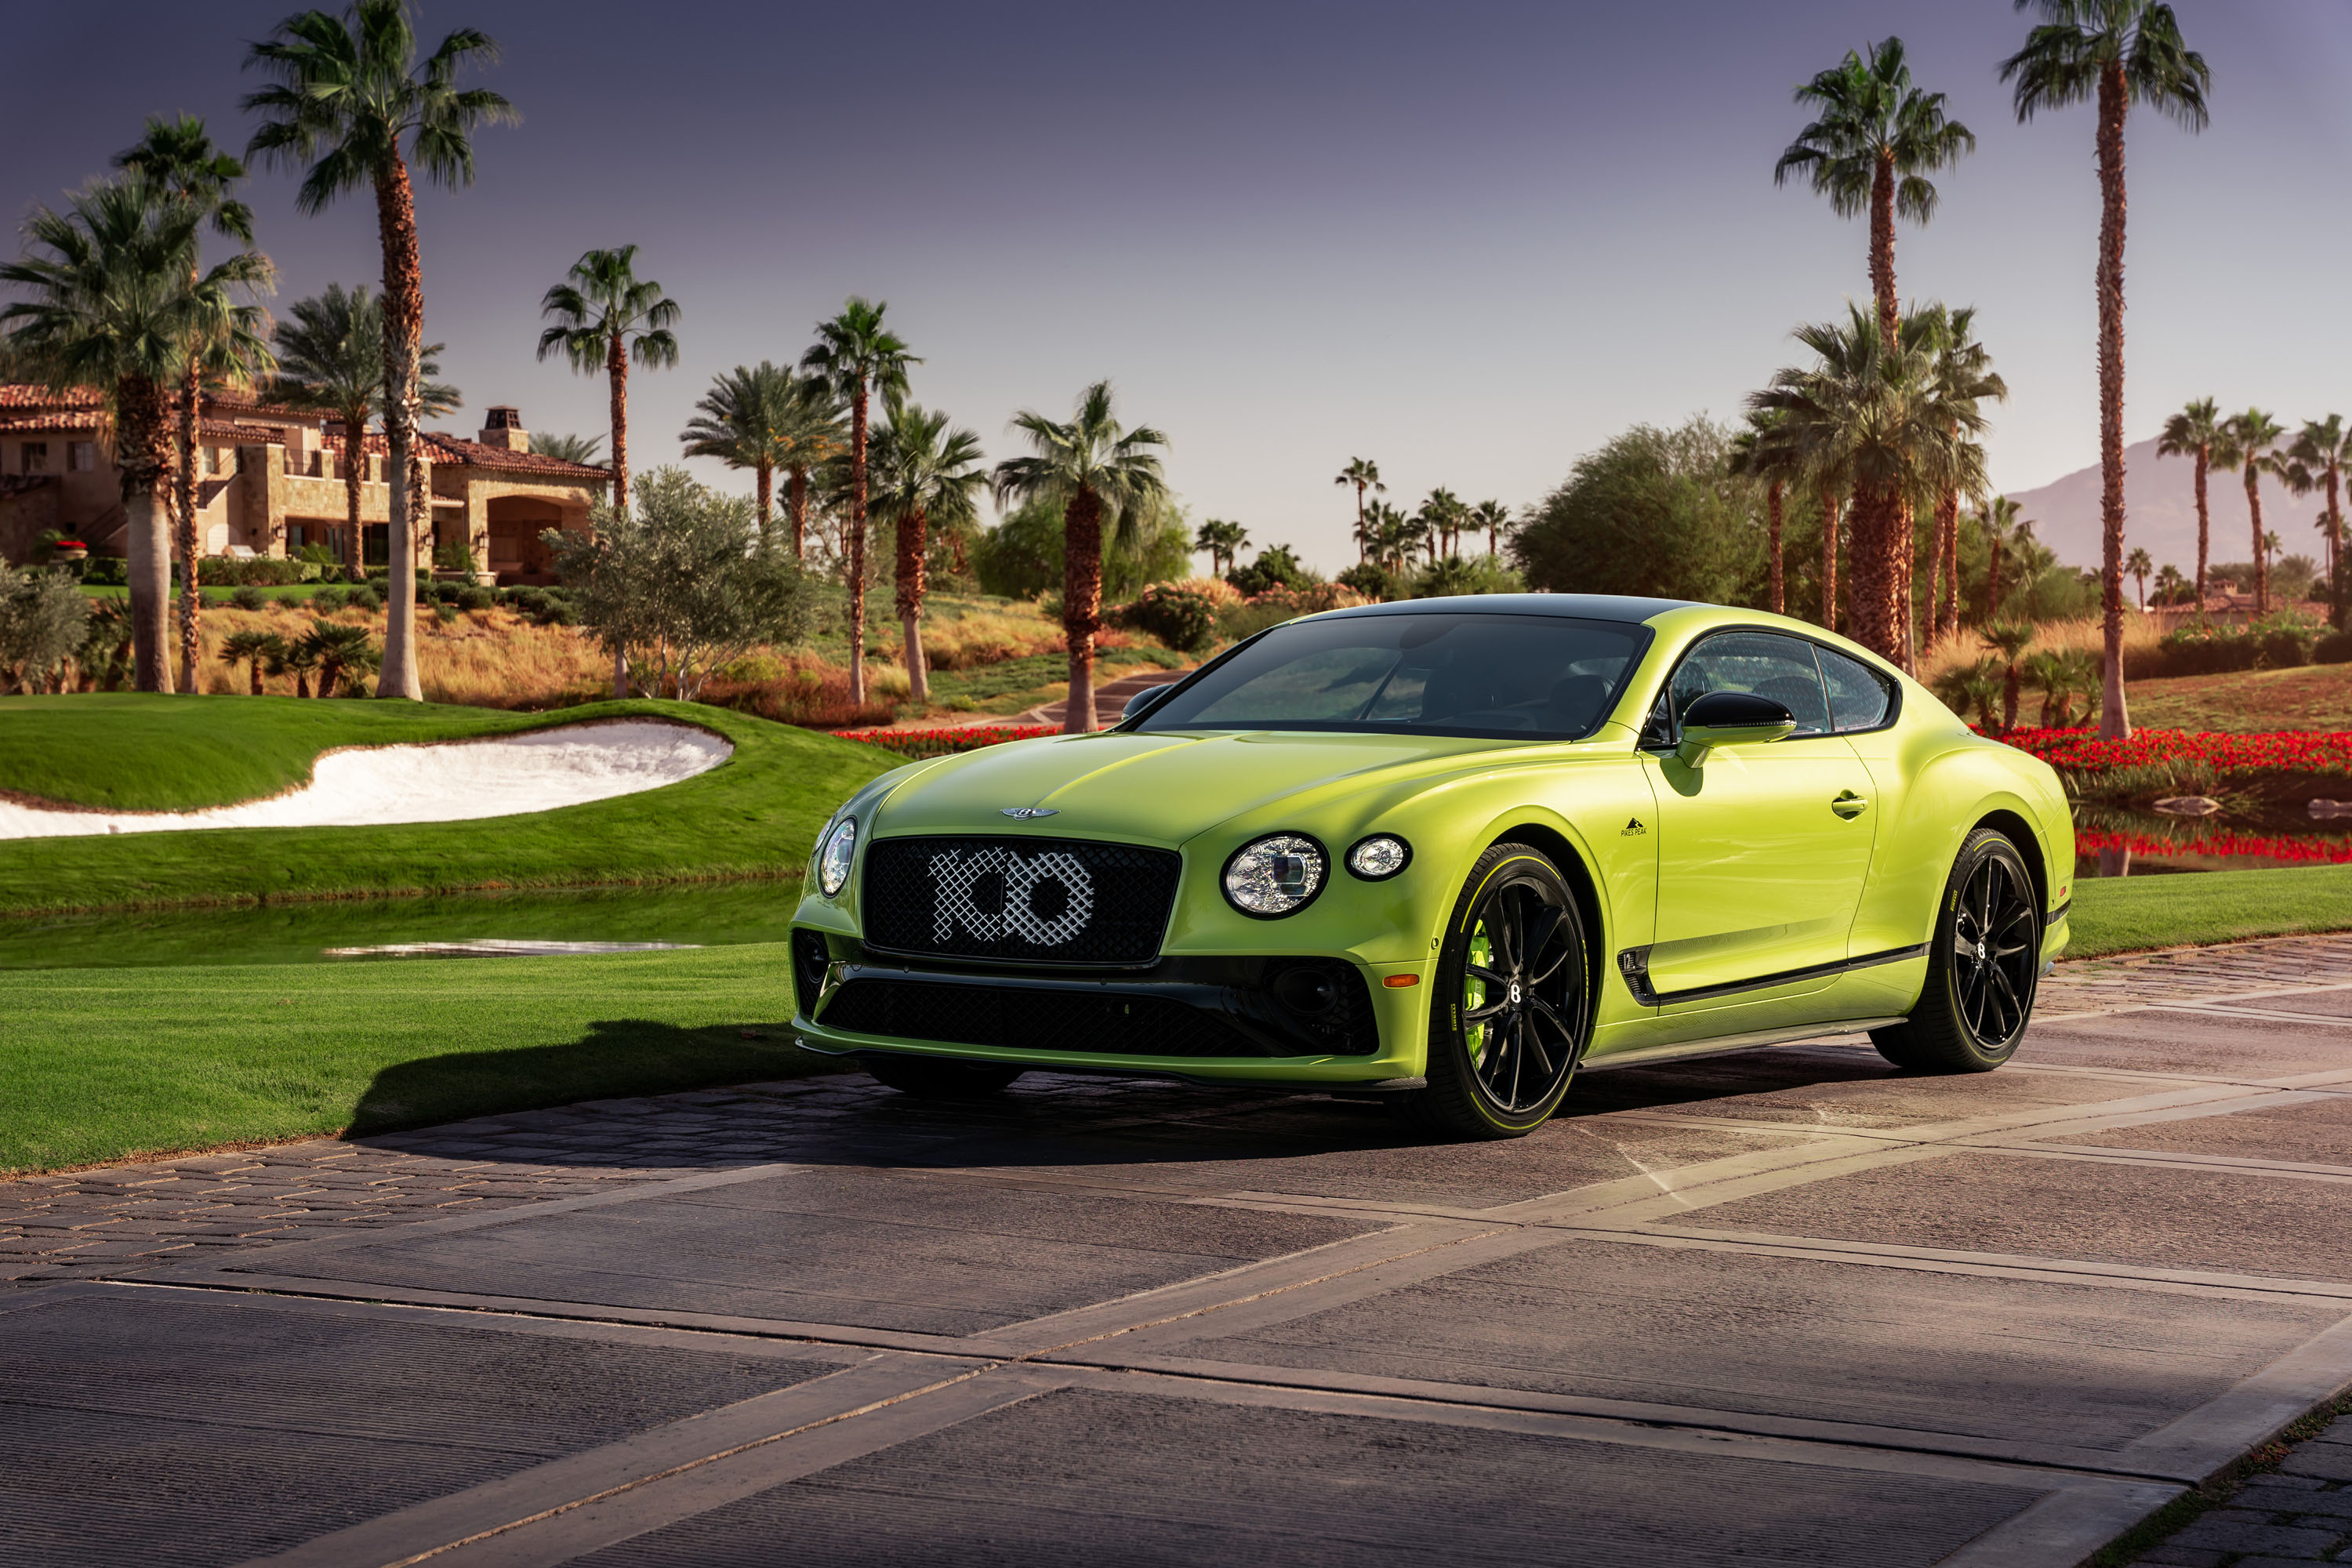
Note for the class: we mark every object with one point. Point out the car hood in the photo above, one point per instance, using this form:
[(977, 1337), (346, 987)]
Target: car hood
[(1163, 789)]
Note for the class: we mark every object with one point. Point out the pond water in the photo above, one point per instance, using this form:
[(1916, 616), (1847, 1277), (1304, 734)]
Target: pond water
[(378, 931), (2114, 842)]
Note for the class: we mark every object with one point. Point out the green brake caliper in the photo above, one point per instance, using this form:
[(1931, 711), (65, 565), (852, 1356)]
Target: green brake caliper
[(1473, 995)]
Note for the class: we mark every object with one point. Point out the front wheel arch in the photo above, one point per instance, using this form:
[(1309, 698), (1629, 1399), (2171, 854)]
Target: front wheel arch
[(1569, 858)]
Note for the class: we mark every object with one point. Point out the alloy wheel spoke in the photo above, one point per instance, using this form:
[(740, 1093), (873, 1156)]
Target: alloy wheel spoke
[(1491, 977), (1480, 1014)]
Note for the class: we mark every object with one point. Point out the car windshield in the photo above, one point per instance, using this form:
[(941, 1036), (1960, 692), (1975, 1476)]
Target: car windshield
[(1533, 678)]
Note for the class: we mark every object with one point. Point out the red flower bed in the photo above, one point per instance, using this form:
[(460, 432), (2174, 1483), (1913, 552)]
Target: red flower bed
[(2320, 753), (946, 743)]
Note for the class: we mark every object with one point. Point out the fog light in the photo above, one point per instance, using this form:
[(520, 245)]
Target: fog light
[(1379, 857)]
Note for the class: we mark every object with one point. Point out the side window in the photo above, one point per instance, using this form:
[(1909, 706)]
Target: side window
[(1765, 663), (1859, 697)]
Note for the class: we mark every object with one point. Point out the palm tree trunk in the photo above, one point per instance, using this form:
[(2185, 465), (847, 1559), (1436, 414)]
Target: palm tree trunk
[(2261, 557), (354, 460), (2010, 690), (1359, 529), (1772, 524), (1903, 557), (857, 542), (2204, 529), (256, 676), (911, 546), (1935, 569), (2115, 717), (764, 478), (1878, 556), (616, 374), (184, 509), (2335, 551), (1081, 603), (144, 454), (1882, 245), (1829, 502), (1951, 616), (404, 327), (1992, 581)]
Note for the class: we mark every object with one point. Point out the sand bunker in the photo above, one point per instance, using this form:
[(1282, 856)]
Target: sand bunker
[(500, 775)]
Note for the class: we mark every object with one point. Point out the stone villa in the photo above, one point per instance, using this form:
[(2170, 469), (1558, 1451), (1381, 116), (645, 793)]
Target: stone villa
[(269, 481)]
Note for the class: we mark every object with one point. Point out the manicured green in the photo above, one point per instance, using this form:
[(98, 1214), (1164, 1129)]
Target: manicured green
[(2132, 914), (752, 816), (104, 1064)]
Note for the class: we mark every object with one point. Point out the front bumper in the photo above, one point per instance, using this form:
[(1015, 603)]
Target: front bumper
[(1318, 1020)]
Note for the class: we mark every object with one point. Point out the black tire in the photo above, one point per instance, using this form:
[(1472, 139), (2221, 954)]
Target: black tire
[(940, 1077), (1511, 1012), (1983, 965)]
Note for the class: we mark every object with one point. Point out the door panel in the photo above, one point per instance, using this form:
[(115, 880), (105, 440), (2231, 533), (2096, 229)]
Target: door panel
[(1763, 849)]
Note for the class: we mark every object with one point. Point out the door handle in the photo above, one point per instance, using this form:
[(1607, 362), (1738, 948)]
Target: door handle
[(1849, 805)]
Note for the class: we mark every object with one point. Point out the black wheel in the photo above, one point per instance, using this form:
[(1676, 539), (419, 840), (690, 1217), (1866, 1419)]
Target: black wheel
[(940, 1077), (1982, 967), (1512, 1009)]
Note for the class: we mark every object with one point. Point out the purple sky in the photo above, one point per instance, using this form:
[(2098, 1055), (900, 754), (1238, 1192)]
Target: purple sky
[(1470, 241)]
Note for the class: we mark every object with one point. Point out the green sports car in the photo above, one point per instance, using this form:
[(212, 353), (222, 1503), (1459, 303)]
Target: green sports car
[(1447, 851)]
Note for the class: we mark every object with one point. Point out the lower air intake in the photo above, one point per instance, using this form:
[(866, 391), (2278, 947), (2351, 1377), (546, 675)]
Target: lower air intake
[(1033, 1020)]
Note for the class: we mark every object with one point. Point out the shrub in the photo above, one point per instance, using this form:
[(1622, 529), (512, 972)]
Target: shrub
[(1372, 581), (261, 571), (327, 601), (473, 598), (106, 571), (2336, 648), (1276, 566), (366, 598), (247, 597), (1181, 617), (2278, 641)]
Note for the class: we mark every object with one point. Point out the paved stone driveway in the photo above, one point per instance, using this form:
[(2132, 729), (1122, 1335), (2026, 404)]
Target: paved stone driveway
[(1782, 1306)]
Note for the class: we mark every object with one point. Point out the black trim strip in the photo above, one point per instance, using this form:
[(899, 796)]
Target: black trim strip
[(2054, 916), (1634, 964)]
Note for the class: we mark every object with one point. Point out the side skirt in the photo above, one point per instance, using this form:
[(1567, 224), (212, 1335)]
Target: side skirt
[(1724, 1044)]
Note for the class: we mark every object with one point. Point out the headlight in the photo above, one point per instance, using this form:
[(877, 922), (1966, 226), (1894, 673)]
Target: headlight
[(1379, 857), (1276, 875), (833, 861)]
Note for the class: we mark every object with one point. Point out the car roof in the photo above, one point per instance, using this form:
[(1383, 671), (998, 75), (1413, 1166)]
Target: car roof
[(1584, 606)]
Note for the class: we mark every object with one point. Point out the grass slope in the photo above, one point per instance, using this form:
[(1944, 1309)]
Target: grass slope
[(2255, 702), (103, 1064), (752, 816), (2132, 914)]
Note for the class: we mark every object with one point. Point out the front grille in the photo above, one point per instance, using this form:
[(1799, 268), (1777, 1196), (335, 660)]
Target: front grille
[(1031, 1020), (1050, 901)]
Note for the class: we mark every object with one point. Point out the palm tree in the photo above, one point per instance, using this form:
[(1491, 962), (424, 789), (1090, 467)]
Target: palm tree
[(1965, 367), (1996, 519), (2008, 641), (1440, 517), (330, 358), (1224, 541), (1874, 141), (2322, 450), (350, 92), (1494, 517), (2118, 53), (583, 449), (298, 659), (1093, 466), (1888, 422), (340, 653), (1389, 534), (179, 158), (2170, 584), (2139, 564), (2196, 432), (855, 356), (749, 419), (605, 316), (1768, 450), (924, 473), (255, 648), (2252, 438), (112, 305), (1364, 474)]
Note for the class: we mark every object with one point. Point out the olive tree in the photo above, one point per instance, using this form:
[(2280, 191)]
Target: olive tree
[(681, 583), (44, 616)]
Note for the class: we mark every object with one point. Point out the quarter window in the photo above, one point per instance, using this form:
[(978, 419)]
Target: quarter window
[(1779, 667), (1859, 697)]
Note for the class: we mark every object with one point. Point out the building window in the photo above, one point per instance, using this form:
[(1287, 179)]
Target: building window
[(81, 456), (34, 458), (376, 544)]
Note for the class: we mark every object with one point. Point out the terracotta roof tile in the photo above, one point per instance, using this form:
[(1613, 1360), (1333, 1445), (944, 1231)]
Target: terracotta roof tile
[(22, 423), (26, 394), (442, 448)]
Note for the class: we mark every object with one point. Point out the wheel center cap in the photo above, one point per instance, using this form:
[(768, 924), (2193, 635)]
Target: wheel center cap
[(1981, 950), (1514, 993)]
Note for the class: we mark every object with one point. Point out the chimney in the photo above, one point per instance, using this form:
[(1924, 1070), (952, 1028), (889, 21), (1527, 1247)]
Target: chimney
[(504, 429)]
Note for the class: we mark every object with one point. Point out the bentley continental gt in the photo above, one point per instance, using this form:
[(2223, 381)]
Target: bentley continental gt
[(1448, 851)]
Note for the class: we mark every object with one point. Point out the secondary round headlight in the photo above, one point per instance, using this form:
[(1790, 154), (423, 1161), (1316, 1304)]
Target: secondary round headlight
[(832, 861), (1276, 875), (1379, 857)]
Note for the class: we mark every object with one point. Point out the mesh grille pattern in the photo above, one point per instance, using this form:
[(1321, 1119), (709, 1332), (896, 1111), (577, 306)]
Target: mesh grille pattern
[(1026, 1019), (1054, 900)]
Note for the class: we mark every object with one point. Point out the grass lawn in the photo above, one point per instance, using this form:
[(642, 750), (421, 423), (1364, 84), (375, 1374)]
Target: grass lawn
[(754, 815), (2255, 702), (2131, 914), (103, 1064), (215, 595)]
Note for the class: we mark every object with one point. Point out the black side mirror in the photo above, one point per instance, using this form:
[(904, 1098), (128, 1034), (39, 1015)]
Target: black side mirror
[(1144, 701), (1731, 719)]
